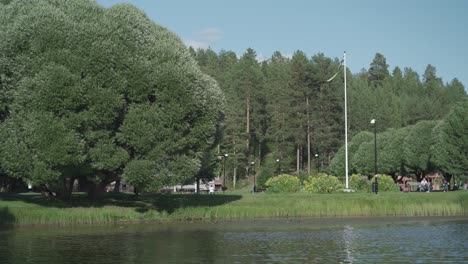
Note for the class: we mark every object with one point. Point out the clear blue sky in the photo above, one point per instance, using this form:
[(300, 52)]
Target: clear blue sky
[(409, 33)]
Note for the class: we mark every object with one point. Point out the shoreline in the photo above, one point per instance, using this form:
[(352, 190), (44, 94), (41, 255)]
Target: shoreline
[(32, 210)]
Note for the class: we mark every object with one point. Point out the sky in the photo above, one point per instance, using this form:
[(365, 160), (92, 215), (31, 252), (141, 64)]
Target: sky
[(409, 33)]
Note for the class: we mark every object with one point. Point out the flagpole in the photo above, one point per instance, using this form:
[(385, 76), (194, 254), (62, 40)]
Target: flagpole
[(346, 121)]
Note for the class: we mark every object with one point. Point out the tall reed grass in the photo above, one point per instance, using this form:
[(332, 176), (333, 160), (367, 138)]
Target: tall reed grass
[(230, 206)]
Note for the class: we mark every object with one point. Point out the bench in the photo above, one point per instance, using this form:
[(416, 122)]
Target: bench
[(413, 186)]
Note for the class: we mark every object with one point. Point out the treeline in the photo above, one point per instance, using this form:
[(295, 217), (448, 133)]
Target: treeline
[(104, 94), (426, 147), (282, 112)]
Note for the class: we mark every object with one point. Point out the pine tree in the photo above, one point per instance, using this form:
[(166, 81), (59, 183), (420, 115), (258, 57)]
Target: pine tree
[(298, 114), (378, 70)]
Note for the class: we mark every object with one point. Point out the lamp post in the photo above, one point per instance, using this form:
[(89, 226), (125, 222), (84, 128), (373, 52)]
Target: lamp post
[(278, 166), (224, 169), (255, 180), (375, 185), (318, 164)]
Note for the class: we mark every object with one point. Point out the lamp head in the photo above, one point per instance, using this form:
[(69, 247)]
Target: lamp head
[(372, 121)]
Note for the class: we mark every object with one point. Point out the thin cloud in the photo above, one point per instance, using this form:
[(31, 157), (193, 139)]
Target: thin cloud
[(203, 39), (209, 34)]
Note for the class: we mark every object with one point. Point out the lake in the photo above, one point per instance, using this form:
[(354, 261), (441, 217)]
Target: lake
[(348, 240)]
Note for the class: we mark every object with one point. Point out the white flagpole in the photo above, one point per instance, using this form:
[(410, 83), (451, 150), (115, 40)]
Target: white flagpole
[(346, 120)]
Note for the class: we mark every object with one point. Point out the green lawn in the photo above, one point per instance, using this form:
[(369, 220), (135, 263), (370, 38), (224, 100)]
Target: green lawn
[(32, 209)]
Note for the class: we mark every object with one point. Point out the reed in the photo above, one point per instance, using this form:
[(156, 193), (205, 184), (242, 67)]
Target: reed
[(34, 210)]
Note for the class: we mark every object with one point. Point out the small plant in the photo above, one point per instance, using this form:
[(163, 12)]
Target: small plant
[(322, 183), (359, 182), (386, 183), (283, 183)]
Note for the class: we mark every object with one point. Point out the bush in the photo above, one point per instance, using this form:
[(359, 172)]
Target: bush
[(303, 175), (283, 183), (359, 182), (386, 183), (322, 183)]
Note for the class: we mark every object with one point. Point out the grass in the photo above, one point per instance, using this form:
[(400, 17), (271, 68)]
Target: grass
[(24, 209)]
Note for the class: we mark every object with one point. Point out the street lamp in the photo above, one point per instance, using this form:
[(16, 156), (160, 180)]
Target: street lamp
[(224, 169), (318, 164), (375, 185), (278, 166), (255, 180)]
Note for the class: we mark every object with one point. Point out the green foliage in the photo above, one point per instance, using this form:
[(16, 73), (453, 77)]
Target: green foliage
[(82, 86), (386, 183), (391, 159), (378, 70), (337, 166), (287, 95), (359, 182), (417, 144), (39, 146), (283, 183), (450, 148), (364, 159), (322, 183), (119, 88)]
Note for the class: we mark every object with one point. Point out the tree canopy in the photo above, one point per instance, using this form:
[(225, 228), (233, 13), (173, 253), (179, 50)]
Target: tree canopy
[(102, 91)]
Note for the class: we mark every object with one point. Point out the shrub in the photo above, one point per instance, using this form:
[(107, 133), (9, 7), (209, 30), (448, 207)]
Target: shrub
[(322, 183), (359, 182), (302, 175), (386, 183), (283, 183)]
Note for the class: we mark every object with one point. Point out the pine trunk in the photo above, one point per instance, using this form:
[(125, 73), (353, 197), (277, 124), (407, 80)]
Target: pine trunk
[(259, 153), (247, 106), (308, 137), (298, 158)]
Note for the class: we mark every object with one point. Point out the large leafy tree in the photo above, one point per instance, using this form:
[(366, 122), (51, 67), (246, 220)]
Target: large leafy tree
[(103, 92), (416, 147), (450, 137), (338, 163), (391, 157)]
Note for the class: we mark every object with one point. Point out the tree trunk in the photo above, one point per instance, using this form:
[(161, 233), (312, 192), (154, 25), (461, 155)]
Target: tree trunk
[(297, 158), (198, 186), (247, 103), (95, 190), (69, 188), (117, 186), (308, 137), (259, 152), (302, 157), (234, 178)]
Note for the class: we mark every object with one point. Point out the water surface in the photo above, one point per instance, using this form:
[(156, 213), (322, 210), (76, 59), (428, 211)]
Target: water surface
[(349, 240)]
